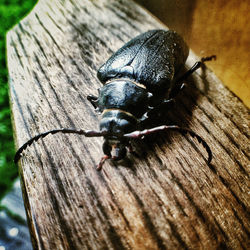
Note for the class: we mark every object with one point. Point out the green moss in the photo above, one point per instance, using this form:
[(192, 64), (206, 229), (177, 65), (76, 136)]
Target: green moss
[(11, 11)]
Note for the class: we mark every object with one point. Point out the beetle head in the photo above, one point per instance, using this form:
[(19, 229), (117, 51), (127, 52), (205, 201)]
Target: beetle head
[(114, 148)]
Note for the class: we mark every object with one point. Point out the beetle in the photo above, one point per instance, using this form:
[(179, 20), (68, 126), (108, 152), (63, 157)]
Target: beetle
[(139, 80)]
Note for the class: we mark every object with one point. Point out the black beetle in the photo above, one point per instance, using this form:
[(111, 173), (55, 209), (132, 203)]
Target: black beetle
[(140, 79)]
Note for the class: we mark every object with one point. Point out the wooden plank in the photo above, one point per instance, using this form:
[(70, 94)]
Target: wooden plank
[(167, 196)]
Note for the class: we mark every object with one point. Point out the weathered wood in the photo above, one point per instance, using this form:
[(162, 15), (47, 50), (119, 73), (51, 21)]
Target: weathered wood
[(165, 198)]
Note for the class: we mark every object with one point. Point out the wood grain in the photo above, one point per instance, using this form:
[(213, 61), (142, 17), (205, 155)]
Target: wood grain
[(167, 197)]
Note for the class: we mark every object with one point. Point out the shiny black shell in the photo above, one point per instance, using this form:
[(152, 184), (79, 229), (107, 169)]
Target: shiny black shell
[(152, 59), (124, 95)]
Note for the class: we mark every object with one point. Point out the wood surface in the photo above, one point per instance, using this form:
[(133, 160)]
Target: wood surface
[(166, 197)]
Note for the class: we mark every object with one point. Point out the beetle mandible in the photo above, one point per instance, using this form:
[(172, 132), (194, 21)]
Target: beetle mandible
[(140, 79)]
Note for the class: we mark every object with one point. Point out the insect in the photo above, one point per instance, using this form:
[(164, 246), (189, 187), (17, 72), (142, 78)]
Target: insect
[(139, 80)]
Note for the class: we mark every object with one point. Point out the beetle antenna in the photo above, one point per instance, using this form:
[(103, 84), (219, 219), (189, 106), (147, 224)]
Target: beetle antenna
[(87, 133), (139, 134)]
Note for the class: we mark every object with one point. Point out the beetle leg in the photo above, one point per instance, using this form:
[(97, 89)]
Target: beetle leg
[(156, 111), (179, 85), (93, 100), (196, 66), (104, 158), (165, 105), (176, 90)]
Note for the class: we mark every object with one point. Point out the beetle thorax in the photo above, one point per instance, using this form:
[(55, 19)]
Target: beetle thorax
[(117, 122)]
